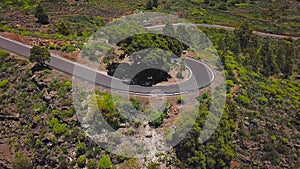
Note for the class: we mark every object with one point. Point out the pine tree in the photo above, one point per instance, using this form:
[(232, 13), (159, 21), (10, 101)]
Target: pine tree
[(39, 54), (289, 58), (41, 15), (270, 67), (254, 59), (243, 34)]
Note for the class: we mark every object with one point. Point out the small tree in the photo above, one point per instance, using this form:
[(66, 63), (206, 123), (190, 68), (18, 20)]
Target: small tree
[(39, 54), (41, 14)]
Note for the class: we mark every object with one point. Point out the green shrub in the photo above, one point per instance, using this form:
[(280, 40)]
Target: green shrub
[(41, 15), (80, 149), (263, 100), (285, 140), (63, 28), (81, 161), (52, 122), (153, 166), (229, 83), (3, 54), (38, 143), (222, 7), (131, 132), (229, 96), (51, 46), (273, 138), (244, 100), (62, 162), (156, 118), (3, 83), (68, 48), (105, 163), (59, 128), (180, 99), (68, 84), (91, 164), (135, 103), (169, 137), (3, 67), (21, 162), (7, 28), (39, 54)]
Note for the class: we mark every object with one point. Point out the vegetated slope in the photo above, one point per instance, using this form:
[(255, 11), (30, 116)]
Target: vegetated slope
[(280, 16), (40, 129), (38, 122), (268, 127), (264, 81), (262, 100), (79, 19), (72, 20)]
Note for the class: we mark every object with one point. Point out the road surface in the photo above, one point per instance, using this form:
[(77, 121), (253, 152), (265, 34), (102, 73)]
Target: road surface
[(228, 28)]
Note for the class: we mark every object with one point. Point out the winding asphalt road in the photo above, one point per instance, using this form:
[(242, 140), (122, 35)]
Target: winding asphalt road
[(202, 75), (228, 28)]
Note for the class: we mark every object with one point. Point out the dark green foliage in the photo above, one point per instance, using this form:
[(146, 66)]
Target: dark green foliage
[(39, 54), (243, 35), (269, 66), (63, 28), (150, 40), (265, 55), (217, 151), (62, 162), (149, 53), (41, 14)]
